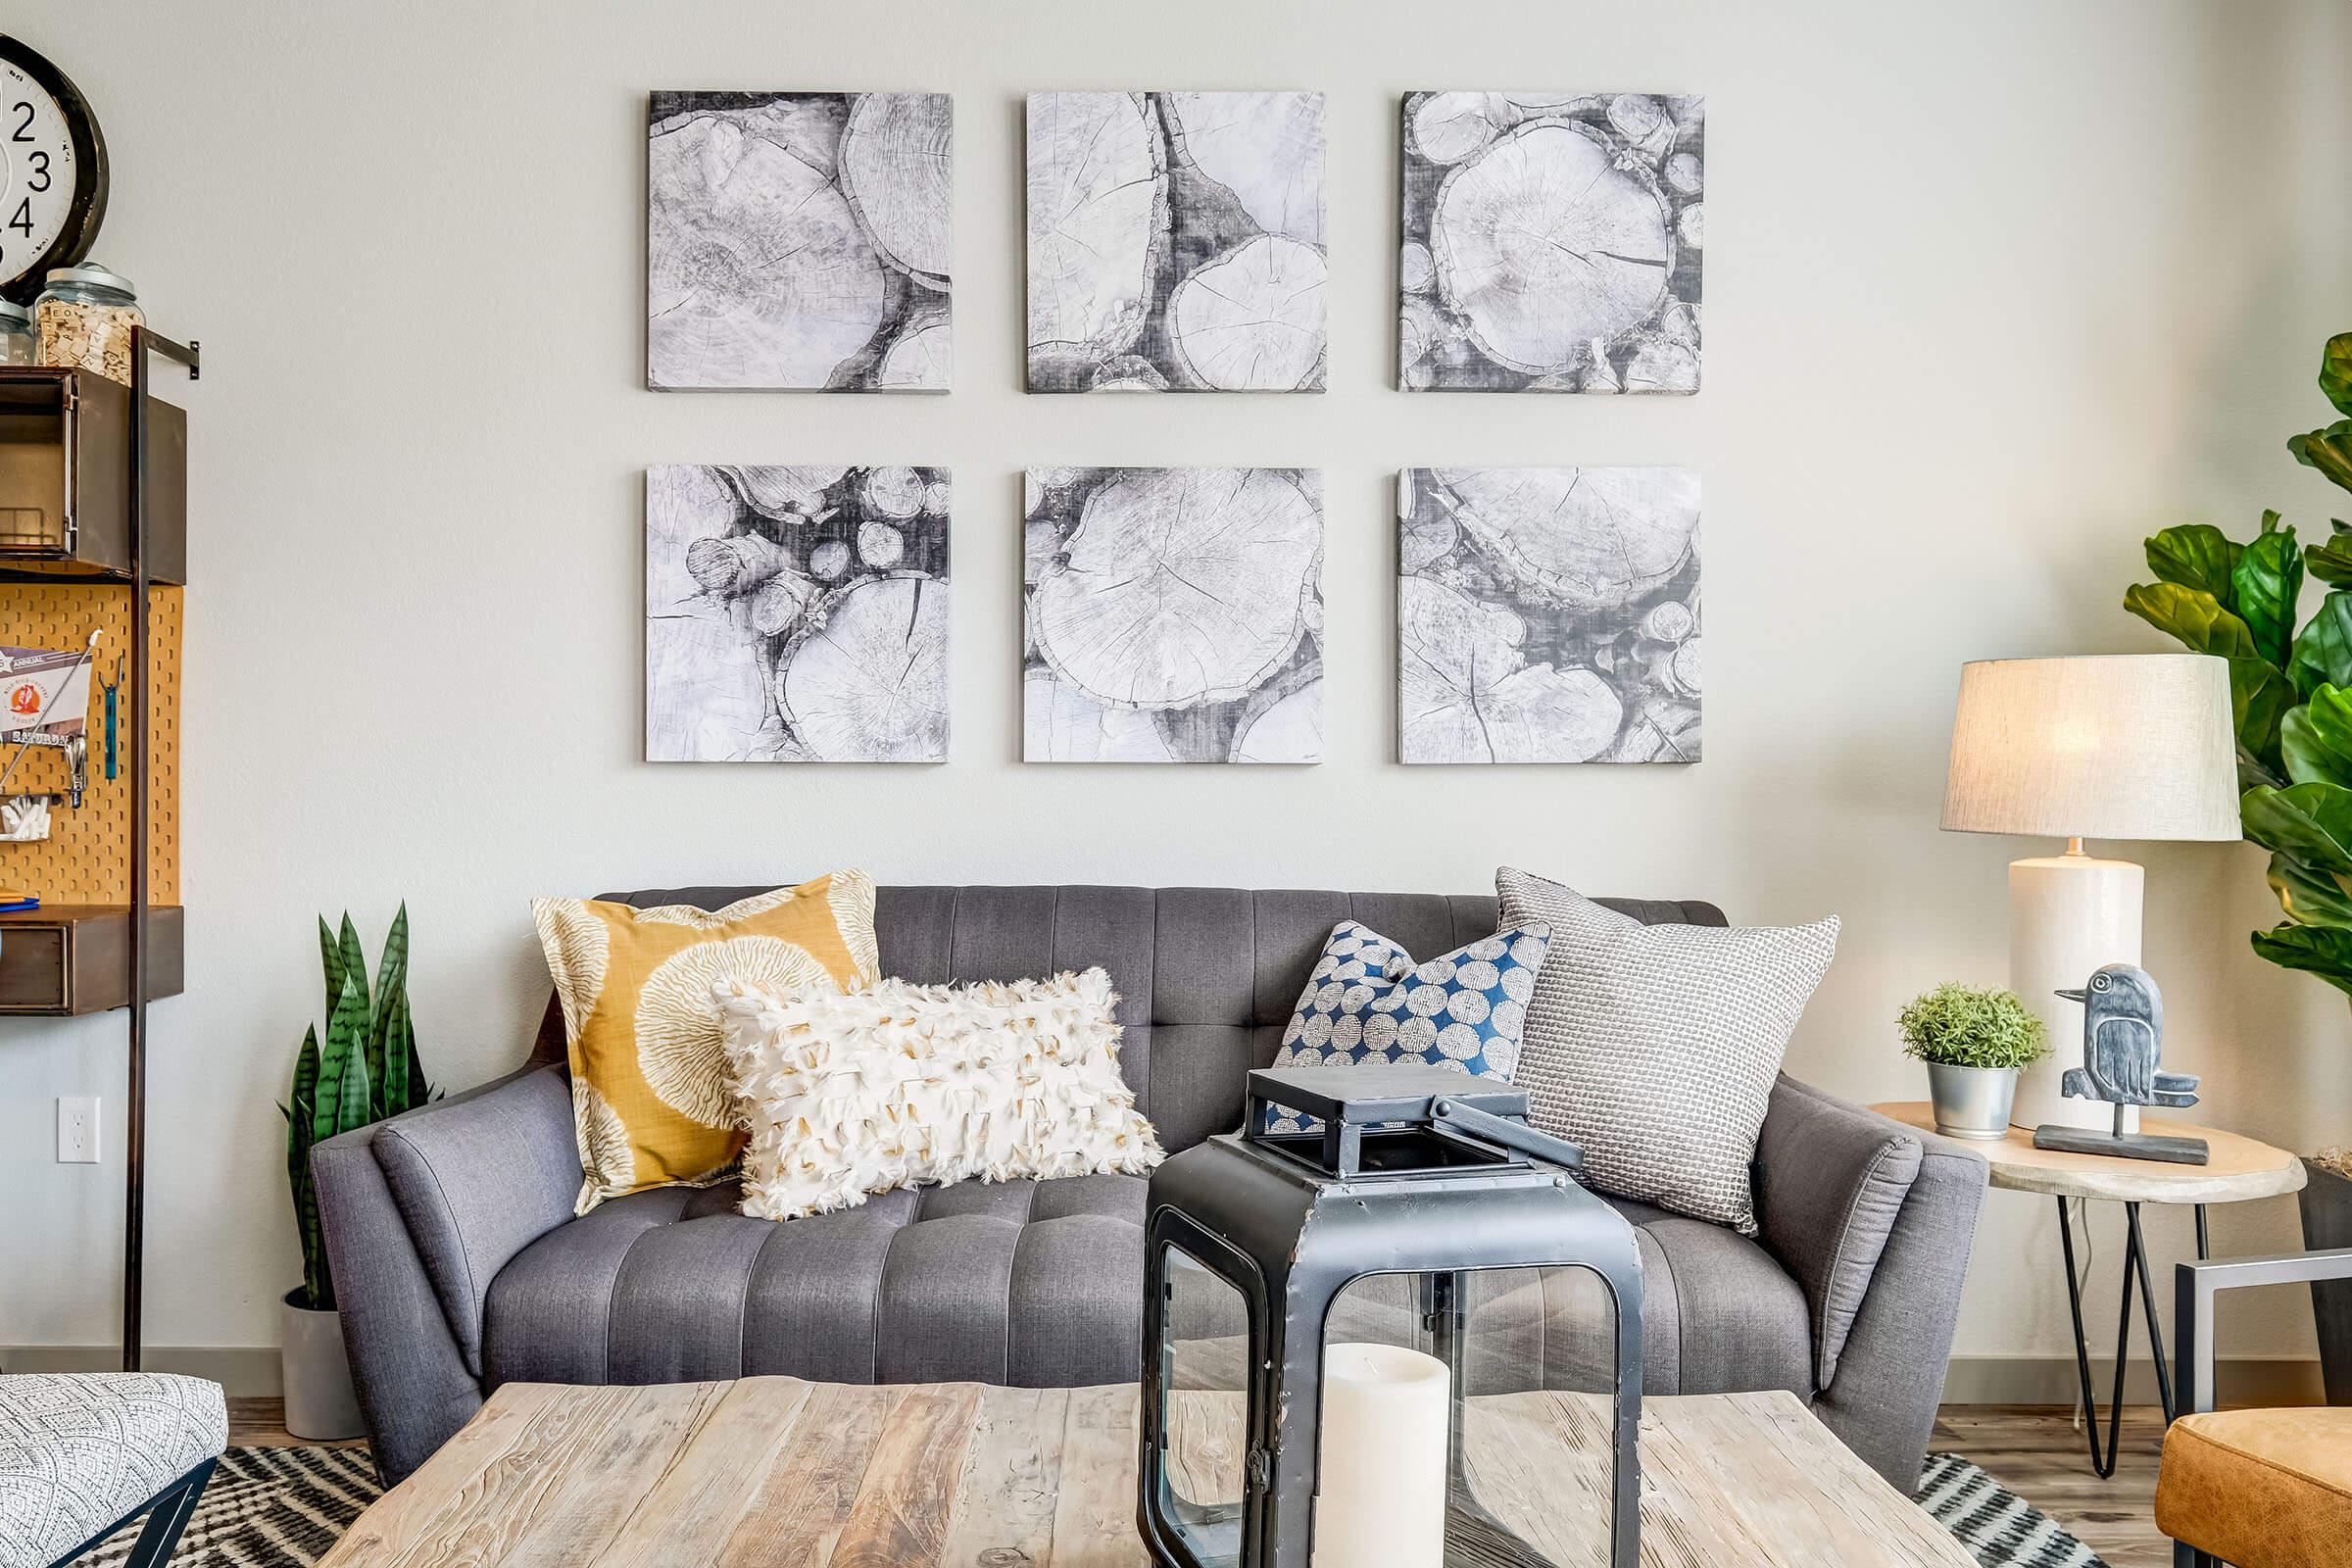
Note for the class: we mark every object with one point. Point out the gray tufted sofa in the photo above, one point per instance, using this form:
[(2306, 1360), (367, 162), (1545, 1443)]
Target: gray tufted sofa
[(459, 1265)]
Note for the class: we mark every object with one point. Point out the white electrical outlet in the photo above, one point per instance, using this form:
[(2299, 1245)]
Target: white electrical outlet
[(78, 1129)]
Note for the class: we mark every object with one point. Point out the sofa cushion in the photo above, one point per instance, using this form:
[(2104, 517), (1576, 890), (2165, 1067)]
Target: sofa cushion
[(1719, 1315), (1367, 1002), (80, 1451), (1656, 1047), (897, 1085), (1206, 976), (653, 1094), (1032, 1284), (1040, 1285)]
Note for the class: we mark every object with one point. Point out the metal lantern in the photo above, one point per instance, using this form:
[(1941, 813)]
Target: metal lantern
[(1405, 1339)]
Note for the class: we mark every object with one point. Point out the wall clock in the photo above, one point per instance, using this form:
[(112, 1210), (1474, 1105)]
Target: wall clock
[(52, 170)]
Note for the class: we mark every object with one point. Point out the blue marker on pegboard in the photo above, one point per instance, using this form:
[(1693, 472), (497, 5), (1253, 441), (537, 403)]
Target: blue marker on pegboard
[(113, 697)]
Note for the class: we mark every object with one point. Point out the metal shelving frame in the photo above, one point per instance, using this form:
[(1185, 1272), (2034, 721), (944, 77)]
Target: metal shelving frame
[(143, 344)]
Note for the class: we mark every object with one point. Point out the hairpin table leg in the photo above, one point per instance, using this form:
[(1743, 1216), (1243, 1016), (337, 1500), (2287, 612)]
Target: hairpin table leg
[(2135, 1270)]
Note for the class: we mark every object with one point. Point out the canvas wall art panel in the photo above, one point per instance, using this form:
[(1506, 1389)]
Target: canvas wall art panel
[(1176, 242), (799, 240), (795, 614), (1547, 615), (1552, 242), (1173, 616)]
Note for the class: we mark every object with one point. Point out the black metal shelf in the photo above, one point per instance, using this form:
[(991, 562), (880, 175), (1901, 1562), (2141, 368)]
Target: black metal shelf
[(64, 480), (143, 344), (101, 470)]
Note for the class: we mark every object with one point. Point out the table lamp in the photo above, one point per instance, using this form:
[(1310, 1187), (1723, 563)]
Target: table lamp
[(2133, 745)]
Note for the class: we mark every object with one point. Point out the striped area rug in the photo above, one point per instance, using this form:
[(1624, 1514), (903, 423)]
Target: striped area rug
[(284, 1507), (1999, 1527), (266, 1508)]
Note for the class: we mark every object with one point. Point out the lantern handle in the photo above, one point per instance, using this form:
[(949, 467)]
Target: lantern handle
[(1509, 1131)]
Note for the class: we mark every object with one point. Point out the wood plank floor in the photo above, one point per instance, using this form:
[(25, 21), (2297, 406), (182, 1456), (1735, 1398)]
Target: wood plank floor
[(2033, 1450)]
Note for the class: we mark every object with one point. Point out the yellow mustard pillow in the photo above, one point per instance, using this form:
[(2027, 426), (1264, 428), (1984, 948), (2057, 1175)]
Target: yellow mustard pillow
[(653, 1094)]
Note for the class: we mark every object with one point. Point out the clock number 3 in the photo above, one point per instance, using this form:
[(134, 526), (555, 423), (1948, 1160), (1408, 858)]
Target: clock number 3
[(40, 170)]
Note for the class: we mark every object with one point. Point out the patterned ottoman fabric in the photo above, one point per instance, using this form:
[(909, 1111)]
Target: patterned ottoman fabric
[(1367, 1003), (80, 1451)]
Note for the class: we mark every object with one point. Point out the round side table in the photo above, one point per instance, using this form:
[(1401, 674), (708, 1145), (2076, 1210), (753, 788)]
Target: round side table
[(2238, 1170)]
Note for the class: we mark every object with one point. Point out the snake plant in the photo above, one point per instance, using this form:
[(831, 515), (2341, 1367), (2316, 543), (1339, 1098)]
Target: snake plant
[(365, 1068), (2290, 691)]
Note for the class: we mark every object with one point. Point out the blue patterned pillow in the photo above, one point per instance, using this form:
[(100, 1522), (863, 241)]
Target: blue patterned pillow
[(1366, 1002)]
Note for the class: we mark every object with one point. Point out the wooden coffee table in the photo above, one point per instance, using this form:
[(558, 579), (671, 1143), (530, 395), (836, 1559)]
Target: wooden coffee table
[(957, 1475)]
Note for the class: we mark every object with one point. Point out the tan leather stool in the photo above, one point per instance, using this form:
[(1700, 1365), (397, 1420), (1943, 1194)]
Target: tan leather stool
[(2259, 1489)]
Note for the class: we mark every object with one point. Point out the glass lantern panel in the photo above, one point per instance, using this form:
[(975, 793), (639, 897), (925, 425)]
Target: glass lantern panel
[(1205, 1366), (1467, 1421)]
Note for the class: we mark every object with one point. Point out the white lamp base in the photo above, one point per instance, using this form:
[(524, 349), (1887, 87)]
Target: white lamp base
[(2068, 914)]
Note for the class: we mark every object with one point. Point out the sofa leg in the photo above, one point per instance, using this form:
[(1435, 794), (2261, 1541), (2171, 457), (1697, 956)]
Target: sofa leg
[(167, 1518), (2185, 1555)]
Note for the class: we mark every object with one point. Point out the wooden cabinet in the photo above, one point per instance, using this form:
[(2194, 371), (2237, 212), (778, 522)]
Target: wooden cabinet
[(75, 958)]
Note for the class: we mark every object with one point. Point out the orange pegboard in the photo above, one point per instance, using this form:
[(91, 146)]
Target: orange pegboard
[(87, 858)]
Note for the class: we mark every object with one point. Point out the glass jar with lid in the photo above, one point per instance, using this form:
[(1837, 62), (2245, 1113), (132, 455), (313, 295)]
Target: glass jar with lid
[(15, 335), (84, 319)]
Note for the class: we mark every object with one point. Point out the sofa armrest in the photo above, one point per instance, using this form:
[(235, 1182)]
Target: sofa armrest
[(414, 1389), (1881, 1393), (420, 1212), (1830, 1179), (478, 1178)]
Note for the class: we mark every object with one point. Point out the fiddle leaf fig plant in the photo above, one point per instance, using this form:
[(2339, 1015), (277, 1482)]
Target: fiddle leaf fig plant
[(2290, 690)]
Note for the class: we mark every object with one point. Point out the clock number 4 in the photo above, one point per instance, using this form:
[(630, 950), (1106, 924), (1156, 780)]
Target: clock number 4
[(21, 219), (23, 131)]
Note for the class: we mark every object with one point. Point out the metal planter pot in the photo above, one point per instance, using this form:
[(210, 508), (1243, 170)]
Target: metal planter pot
[(320, 1405), (2327, 1203), (1972, 1101)]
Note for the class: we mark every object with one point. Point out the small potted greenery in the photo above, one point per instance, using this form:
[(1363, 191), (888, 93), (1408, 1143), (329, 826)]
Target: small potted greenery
[(362, 1070), (1973, 1039)]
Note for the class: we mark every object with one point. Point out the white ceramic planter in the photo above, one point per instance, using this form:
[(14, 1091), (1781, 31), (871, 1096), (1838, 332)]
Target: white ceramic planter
[(1972, 1101), (320, 1405)]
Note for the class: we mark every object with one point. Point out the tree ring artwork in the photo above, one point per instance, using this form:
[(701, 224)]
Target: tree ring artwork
[(799, 240), (795, 614), (1176, 242), (1552, 242), (1547, 615), (1173, 616)]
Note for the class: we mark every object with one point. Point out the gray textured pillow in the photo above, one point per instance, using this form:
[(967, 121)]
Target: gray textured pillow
[(1656, 1047)]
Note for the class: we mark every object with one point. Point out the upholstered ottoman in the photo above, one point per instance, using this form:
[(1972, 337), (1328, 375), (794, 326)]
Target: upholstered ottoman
[(83, 1454), (2262, 1488)]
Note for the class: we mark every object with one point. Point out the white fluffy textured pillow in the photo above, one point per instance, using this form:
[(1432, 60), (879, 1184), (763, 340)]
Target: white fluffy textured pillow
[(848, 1094)]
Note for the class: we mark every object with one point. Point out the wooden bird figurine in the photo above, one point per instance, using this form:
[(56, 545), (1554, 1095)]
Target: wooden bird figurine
[(2123, 1041), (2123, 1048)]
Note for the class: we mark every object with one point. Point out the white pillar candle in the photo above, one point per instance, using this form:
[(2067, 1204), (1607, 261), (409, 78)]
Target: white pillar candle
[(1381, 1498)]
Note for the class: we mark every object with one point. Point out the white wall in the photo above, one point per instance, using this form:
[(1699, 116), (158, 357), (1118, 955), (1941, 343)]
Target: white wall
[(1994, 290)]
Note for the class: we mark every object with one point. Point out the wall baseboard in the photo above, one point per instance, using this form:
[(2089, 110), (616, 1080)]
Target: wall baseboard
[(251, 1371), (246, 1371), (2053, 1380)]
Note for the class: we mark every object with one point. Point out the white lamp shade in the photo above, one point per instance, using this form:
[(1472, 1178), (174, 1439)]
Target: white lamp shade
[(2132, 746)]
